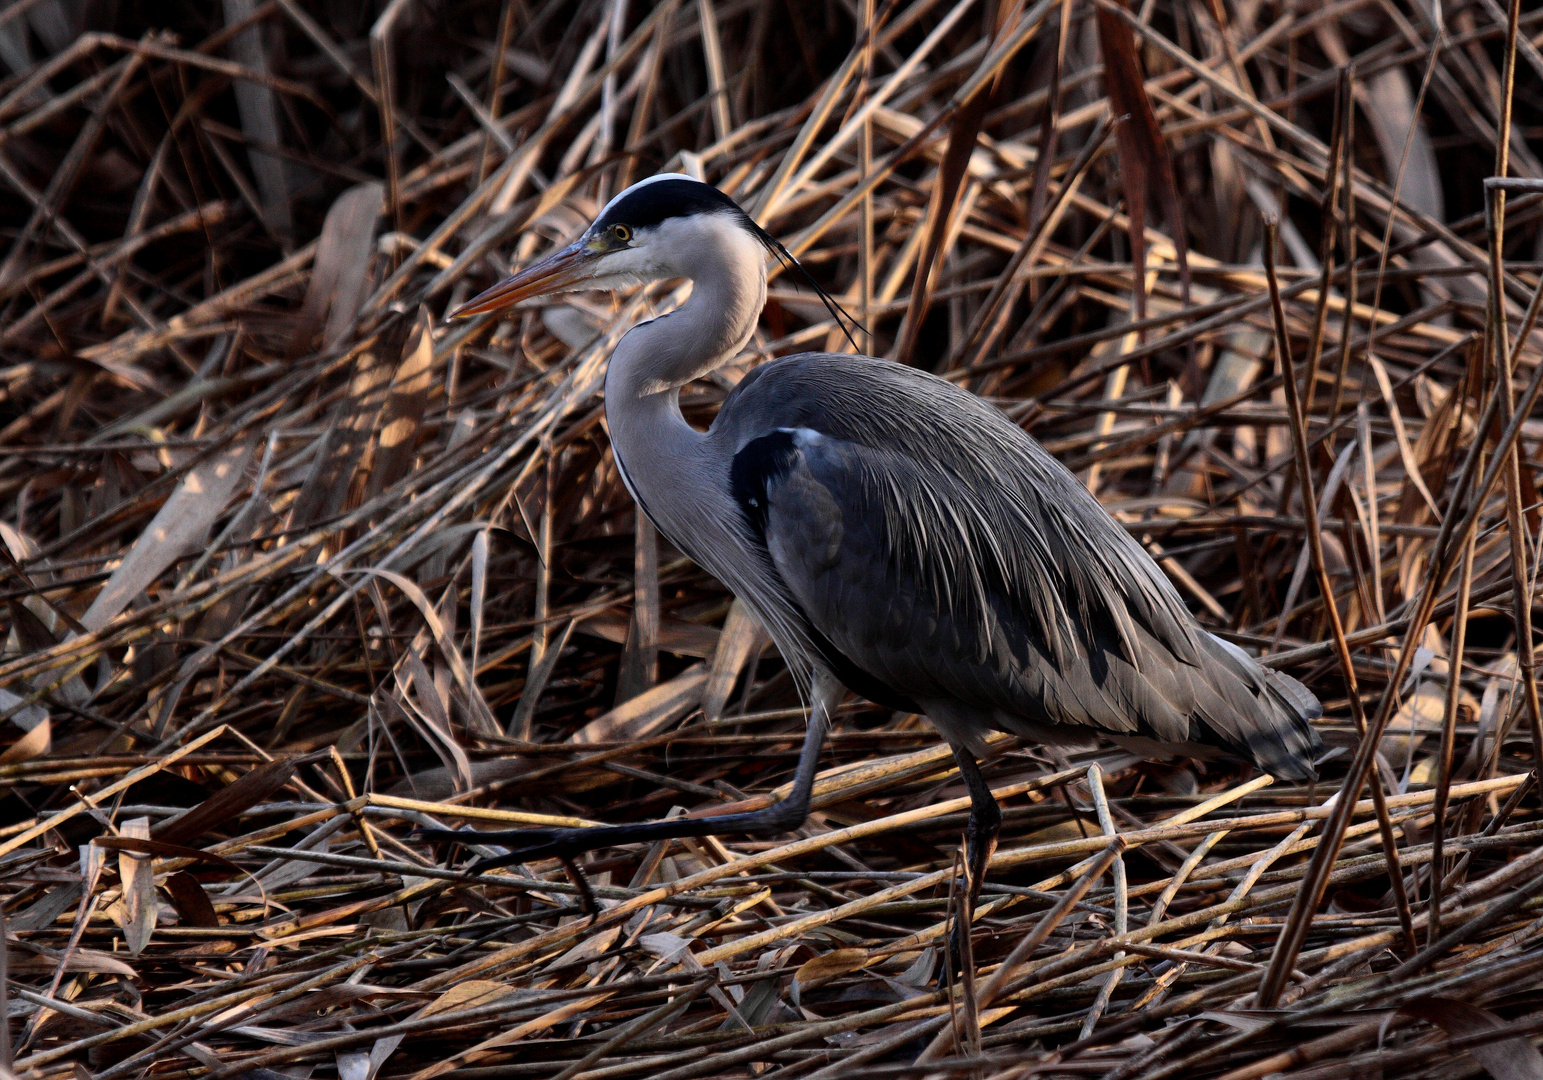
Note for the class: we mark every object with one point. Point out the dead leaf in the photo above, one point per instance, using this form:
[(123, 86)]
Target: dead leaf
[(471, 994), (1389, 106), (1514, 1058), (426, 702), (447, 648), (919, 974), (823, 968), (831, 964), (1238, 1021), (448, 750), (675, 636), (258, 107), (479, 590), (182, 522), (403, 411), (46, 961), (141, 846), (33, 744), (741, 636), (589, 948), (138, 876), (26, 718), (664, 946), (325, 490), (21, 546), (339, 276), (1146, 166), (969, 114), (649, 711), (192, 903), (226, 804), (43, 911), (1059, 832), (31, 633), (1412, 466), (283, 871), (357, 1065)]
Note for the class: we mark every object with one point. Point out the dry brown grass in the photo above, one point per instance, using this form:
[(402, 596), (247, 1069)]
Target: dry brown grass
[(283, 548)]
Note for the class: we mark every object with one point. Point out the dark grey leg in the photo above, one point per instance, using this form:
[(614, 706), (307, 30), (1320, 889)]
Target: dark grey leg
[(783, 816), (980, 840), (980, 834)]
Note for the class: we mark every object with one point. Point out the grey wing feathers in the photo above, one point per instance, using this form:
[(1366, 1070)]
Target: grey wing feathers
[(941, 551)]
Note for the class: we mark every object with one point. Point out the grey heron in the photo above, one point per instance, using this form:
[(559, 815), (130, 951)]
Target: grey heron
[(896, 535)]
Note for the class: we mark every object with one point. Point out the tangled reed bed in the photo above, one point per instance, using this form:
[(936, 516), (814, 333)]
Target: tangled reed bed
[(292, 567)]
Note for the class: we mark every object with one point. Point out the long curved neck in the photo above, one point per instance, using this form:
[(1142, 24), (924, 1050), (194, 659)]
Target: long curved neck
[(663, 458), (728, 290)]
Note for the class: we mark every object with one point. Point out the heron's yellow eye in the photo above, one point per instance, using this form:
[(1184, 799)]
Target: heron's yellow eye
[(621, 232)]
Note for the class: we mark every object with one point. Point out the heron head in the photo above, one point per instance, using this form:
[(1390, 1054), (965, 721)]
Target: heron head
[(641, 235)]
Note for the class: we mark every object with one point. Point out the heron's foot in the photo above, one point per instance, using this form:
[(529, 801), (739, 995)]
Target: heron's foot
[(965, 897), (587, 899), (524, 844), (958, 948), (961, 951), (528, 844)]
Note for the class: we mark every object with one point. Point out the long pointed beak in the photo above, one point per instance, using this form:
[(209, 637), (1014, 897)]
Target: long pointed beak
[(556, 272)]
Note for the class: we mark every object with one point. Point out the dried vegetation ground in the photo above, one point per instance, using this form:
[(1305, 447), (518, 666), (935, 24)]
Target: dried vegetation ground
[(291, 566)]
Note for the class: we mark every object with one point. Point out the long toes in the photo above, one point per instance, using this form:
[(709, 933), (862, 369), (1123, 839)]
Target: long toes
[(494, 862), (523, 844), (527, 844)]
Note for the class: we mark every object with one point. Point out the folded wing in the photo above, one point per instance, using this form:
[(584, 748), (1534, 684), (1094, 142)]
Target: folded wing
[(938, 554)]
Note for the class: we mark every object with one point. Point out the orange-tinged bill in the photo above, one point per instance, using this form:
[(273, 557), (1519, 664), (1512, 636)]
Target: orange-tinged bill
[(553, 274)]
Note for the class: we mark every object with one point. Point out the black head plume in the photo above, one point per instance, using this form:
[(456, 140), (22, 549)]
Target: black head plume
[(840, 314), (673, 195)]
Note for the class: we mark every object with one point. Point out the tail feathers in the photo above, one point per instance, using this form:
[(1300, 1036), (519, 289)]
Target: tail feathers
[(1295, 694), (1278, 734)]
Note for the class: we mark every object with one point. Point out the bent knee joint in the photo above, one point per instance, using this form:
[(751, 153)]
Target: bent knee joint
[(785, 815)]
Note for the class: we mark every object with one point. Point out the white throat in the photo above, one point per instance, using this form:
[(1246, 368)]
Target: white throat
[(727, 270)]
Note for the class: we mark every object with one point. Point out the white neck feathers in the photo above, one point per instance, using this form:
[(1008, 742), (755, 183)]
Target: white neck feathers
[(727, 269)]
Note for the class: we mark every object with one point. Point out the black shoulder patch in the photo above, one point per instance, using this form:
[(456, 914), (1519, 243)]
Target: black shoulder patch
[(756, 468), (664, 199), (760, 464)]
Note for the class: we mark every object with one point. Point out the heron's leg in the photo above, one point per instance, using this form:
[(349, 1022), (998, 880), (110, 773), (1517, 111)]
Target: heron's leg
[(825, 692), (782, 816), (980, 840), (587, 901)]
